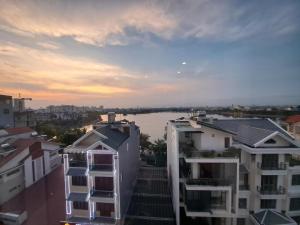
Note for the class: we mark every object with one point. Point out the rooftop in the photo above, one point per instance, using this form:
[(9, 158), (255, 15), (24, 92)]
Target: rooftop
[(114, 136), (293, 119)]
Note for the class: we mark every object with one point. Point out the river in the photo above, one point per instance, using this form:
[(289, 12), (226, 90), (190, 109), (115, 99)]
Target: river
[(152, 124)]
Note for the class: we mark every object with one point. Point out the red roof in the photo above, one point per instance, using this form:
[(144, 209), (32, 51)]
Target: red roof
[(293, 119), (20, 145), (18, 130)]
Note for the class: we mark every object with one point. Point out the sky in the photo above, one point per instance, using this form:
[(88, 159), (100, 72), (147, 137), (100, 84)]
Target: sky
[(135, 53)]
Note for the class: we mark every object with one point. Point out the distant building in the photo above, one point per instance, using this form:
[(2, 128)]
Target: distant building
[(24, 159), (293, 126), (24, 119), (100, 173), (225, 172), (6, 111)]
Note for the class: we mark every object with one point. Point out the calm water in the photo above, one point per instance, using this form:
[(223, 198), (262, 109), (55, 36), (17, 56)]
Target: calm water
[(152, 124)]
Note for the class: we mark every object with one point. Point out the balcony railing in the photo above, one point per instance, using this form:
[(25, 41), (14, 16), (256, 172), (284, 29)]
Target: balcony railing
[(208, 182), (278, 166), (244, 187), (76, 163), (101, 167), (294, 162), (271, 191), (191, 152), (101, 193)]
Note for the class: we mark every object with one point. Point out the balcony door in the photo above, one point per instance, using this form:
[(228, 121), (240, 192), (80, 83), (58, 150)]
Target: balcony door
[(269, 183), (105, 209), (104, 183), (103, 159), (269, 161)]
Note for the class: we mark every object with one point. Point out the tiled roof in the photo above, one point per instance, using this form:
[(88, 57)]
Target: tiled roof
[(293, 119), (250, 131), (18, 130), (114, 136), (21, 145)]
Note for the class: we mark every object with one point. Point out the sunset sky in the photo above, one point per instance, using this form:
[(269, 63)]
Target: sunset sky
[(151, 53)]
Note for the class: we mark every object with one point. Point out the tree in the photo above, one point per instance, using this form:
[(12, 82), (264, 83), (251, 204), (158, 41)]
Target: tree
[(159, 147), (69, 136), (144, 141)]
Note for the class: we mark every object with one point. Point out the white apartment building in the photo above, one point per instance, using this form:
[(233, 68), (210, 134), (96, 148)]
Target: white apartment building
[(100, 173), (229, 171), (24, 159)]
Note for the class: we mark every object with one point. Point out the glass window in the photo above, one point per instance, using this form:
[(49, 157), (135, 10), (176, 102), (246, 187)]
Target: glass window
[(295, 204), (241, 221), (80, 205), (268, 204), (242, 203), (79, 181), (296, 179)]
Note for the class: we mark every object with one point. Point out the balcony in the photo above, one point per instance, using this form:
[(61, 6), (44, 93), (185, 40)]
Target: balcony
[(76, 163), (208, 182), (190, 151), (102, 193), (294, 162), (244, 187), (271, 191), (278, 166), (101, 167), (104, 196)]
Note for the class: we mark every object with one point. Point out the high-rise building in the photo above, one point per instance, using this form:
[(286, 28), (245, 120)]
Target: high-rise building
[(100, 173), (6, 111), (233, 171)]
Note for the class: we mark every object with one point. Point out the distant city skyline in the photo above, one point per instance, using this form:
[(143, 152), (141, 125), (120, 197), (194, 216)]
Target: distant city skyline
[(151, 53)]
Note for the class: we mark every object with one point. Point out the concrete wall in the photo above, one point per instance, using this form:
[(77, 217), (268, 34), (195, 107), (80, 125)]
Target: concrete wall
[(212, 139), (173, 168), (128, 154), (11, 184)]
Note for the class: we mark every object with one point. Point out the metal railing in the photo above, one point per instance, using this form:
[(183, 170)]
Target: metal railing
[(208, 182), (276, 166), (76, 163), (271, 191), (101, 193), (101, 167), (244, 187)]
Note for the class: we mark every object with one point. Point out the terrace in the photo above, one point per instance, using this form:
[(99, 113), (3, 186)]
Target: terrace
[(190, 151)]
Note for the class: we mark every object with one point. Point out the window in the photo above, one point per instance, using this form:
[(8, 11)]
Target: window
[(243, 203), (268, 204), (296, 179), (6, 111), (270, 141), (241, 221), (12, 172), (79, 181), (80, 205), (295, 204), (187, 134), (268, 183), (227, 142), (12, 189)]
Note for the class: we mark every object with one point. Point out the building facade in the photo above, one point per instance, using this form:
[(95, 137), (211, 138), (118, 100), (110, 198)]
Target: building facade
[(100, 173), (6, 111), (24, 159), (225, 171)]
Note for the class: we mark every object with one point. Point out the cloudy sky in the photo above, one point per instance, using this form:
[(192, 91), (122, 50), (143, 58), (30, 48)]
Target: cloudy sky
[(151, 53)]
